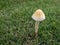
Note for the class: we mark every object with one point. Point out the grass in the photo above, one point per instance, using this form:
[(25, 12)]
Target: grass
[(17, 26)]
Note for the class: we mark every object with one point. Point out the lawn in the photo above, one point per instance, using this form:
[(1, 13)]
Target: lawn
[(17, 26)]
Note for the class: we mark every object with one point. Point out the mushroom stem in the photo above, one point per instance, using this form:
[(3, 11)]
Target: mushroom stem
[(36, 28)]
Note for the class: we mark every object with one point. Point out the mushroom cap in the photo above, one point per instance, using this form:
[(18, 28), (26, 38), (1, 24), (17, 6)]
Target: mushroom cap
[(38, 15)]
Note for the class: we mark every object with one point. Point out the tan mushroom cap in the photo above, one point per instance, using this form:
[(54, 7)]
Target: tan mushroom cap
[(38, 15)]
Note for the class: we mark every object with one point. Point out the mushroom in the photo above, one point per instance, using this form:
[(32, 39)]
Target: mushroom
[(38, 16)]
